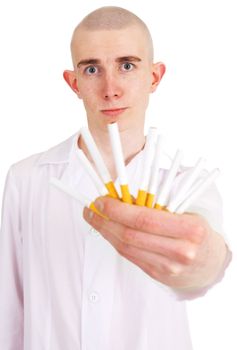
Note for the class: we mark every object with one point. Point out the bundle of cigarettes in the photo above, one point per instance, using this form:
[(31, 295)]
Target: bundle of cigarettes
[(148, 194)]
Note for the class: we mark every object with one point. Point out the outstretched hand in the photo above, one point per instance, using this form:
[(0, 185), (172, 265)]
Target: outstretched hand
[(181, 251)]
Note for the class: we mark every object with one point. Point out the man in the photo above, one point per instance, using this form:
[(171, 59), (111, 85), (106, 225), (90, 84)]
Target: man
[(62, 283)]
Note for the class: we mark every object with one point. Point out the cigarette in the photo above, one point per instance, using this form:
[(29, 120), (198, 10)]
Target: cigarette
[(99, 162), (162, 198), (152, 189), (185, 187), (101, 189), (84, 201), (149, 152), (206, 182), (119, 162)]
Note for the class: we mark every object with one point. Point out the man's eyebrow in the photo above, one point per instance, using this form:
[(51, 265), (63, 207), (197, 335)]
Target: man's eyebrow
[(128, 59), (88, 61), (118, 59)]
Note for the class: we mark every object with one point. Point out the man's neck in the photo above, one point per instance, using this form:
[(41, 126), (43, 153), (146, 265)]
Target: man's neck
[(132, 143)]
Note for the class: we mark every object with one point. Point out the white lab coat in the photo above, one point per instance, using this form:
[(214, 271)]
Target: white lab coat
[(62, 285)]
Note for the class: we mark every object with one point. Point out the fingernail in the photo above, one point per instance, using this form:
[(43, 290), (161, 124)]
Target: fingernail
[(99, 205), (88, 214)]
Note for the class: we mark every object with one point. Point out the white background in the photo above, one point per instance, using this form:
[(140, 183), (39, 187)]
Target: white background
[(194, 107)]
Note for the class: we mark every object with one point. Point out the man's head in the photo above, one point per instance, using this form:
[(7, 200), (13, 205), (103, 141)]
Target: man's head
[(111, 18), (114, 73)]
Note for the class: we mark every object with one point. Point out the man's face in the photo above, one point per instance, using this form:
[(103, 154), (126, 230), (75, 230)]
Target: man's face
[(114, 75)]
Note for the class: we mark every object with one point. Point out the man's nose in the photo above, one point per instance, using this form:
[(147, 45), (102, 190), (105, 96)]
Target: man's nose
[(111, 87)]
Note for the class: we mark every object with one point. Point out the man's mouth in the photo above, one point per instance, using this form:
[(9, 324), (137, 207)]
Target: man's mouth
[(113, 111)]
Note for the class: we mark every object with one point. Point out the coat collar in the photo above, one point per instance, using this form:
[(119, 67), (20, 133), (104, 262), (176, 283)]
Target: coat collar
[(60, 153), (64, 152)]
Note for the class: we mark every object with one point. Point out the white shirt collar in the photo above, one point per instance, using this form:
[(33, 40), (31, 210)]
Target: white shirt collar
[(65, 151)]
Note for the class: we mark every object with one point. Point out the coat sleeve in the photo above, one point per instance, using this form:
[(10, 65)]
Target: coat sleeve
[(209, 205), (11, 282)]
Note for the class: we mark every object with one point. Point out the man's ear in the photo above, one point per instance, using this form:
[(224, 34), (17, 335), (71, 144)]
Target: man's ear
[(158, 70), (71, 79)]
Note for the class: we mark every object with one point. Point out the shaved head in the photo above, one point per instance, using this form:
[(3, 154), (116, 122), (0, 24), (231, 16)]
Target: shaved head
[(111, 18)]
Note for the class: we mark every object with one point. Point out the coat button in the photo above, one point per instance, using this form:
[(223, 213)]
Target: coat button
[(93, 297)]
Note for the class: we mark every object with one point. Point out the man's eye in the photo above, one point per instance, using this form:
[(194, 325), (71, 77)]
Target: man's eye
[(127, 66), (91, 70)]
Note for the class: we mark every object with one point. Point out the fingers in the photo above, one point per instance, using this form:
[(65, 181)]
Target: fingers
[(153, 263), (186, 226), (125, 238), (160, 243), (165, 275)]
